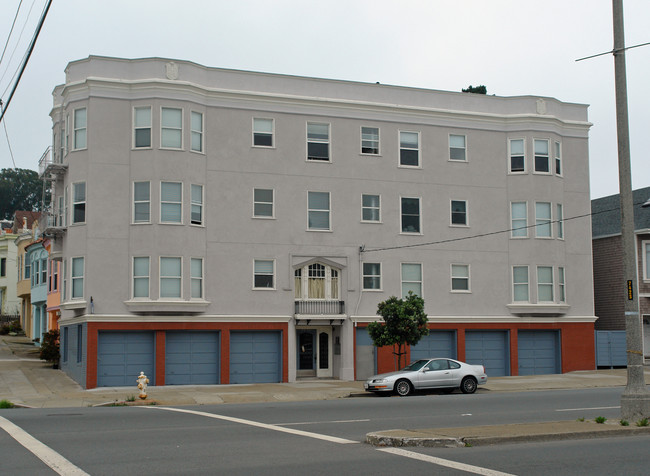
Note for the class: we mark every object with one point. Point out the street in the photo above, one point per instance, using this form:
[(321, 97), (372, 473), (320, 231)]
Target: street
[(317, 437)]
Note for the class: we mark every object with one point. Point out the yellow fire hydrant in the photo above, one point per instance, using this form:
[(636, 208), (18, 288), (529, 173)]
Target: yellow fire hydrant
[(142, 385)]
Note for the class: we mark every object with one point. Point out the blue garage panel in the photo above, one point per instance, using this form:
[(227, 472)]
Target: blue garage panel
[(192, 358), (490, 349), (539, 352), (255, 357), (121, 356), (611, 349), (436, 344), (366, 355)]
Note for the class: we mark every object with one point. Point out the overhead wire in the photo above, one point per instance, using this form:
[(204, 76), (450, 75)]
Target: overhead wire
[(13, 52), (11, 31)]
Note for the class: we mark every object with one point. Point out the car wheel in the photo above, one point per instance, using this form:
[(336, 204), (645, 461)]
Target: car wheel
[(403, 388), (468, 385)]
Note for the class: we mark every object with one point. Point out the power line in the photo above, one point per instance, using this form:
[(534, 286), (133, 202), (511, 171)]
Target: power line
[(4, 123), (11, 31), (13, 52)]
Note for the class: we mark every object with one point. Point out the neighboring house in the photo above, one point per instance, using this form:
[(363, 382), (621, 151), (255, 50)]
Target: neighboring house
[(9, 302), (53, 290), (24, 227), (220, 226), (36, 254), (609, 286)]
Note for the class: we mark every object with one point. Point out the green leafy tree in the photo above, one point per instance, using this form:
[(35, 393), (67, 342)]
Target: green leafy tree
[(476, 89), (404, 323), (20, 189), (50, 348)]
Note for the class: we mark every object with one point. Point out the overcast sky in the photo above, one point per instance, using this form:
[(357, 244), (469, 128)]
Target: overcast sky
[(514, 47)]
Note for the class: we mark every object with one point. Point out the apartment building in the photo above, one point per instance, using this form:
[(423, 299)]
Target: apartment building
[(222, 226)]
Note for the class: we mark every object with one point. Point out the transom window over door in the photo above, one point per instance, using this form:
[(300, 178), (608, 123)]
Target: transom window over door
[(317, 281)]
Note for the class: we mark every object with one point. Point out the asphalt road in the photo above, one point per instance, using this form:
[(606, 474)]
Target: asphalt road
[(317, 437)]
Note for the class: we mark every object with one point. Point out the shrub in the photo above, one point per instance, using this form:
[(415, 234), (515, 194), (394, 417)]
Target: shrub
[(600, 419), (625, 423), (643, 422), (6, 404), (50, 348)]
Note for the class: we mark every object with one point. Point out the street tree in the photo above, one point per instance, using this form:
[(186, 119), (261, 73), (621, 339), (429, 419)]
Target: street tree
[(20, 189), (476, 89), (405, 323)]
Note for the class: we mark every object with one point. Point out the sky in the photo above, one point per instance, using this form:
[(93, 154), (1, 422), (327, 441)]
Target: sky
[(513, 47)]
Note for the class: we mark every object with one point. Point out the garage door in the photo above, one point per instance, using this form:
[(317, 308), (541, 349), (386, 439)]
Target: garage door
[(539, 352), (490, 349), (121, 356), (366, 357), (192, 358), (436, 344), (255, 357)]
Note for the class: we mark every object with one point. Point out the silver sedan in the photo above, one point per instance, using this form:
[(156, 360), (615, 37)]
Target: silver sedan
[(445, 374)]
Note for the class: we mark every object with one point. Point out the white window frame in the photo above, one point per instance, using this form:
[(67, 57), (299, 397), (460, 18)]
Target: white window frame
[(76, 203), (197, 205), (557, 150), (547, 285), (369, 141), (559, 221), (511, 156), (258, 201), (371, 208), (194, 279), (543, 223), (411, 282), (178, 278), (465, 213), (516, 228), (314, 140), (136, 277), (76, 278), (179, 204), (319, 210), (645, 251), (138, 127), (194, 132), (136, 202), (401, 216), (453, 147), (456, 274), (520, 283), (331, 282), (418, 149), (163, 128), (561, 284), (257, 273), (64, 284), (80, 131), (66, 142), (259, 133), (542, 155), (373, 277), (66, 206)]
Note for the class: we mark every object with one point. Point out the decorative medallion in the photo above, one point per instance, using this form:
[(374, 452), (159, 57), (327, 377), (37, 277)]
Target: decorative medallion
[(171, 70), (541, 106)]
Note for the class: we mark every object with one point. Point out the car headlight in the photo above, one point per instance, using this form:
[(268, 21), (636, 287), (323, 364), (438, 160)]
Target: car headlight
[(379, 380)]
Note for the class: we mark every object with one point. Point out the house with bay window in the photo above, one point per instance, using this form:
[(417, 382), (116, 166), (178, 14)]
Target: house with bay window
[(218, 226)]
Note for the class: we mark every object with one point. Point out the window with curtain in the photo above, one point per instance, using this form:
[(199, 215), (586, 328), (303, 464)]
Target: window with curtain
[(317, 281), (370, 208)]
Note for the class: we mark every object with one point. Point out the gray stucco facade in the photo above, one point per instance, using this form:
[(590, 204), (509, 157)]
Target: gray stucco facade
[(195, 199)]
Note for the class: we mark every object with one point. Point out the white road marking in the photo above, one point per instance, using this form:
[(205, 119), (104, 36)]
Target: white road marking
[(444, 462), (46, 454), (308, 434), (591, 408), (320, 422)]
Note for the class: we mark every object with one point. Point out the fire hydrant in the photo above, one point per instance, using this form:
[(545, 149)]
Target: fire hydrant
[(142, 385)]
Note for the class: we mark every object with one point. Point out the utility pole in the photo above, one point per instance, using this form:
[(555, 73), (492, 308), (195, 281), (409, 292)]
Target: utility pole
[(635, 400)]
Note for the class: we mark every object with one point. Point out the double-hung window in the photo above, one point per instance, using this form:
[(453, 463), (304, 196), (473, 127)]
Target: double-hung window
[(370, 208), (77, 278), (558, 158), (319, 210), (559, 217), (410, 215), (543, 220), (170, 277), (519, 219), (79, 129), (646, 260), (372, 276), (196, 131), (520, 284), (44, 271), (370, 140), (457, 148), (517, 156), (263, 274), (459, 213), (318, 142), (460, 278), (409, 149), (3, 267), (196, 278), (411, 279), (263, 203), (142, 127), (79, 202), (141, 202), (561, 285), (60, 210), (171, 128), (171, 201), (544, 284), (263, 132), (541, 156), (141, 277), (196, 217)]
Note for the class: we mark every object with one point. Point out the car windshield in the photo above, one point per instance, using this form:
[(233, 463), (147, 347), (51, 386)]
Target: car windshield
[(417, 365)]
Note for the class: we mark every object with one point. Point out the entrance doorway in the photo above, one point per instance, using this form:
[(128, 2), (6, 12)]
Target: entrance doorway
[(314, 348)]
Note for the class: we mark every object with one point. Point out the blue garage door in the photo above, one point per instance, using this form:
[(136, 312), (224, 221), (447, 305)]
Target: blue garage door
[(490, 349), (192, 358), (436, 344), (539, 352), (255, 357), (121, 356)]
